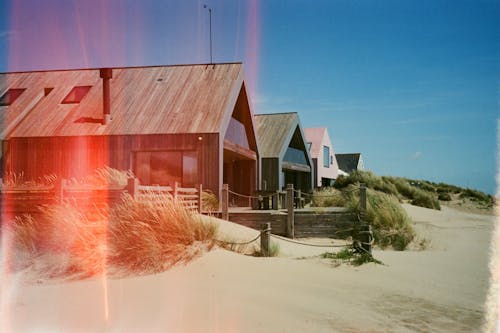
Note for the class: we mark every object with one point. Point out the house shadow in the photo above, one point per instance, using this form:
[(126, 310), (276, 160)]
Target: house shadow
[(91, 120)]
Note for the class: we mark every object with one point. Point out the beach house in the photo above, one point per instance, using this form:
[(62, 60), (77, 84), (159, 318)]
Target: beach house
[(323, 156), (191, 124), (284, 155)]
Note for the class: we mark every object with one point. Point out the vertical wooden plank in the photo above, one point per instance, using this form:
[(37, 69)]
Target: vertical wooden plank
[(225, 202), (200, 192), (175, 189), (133, 187), (265, 232), (290, 215)]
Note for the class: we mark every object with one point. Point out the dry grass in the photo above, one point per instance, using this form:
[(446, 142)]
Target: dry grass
[(17, 180), (104, 177), (391, 224), (133, 237), (150, 236), (328, 197), (58, 231), (209, 201)]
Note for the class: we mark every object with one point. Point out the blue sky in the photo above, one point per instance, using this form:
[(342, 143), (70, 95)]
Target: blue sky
[(412, 85)]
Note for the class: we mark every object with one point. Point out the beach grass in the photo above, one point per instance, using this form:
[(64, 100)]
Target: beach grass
[(139, 237)]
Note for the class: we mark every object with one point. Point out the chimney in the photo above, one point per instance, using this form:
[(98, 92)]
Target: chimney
[(106, 74)]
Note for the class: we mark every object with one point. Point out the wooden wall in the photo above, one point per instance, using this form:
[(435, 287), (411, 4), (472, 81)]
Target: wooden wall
[(270, 174), (307, 224), (79, 156)]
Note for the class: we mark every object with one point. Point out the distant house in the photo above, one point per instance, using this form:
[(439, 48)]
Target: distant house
[(284, 155), (350, 162), (191, 124), (321, 150)]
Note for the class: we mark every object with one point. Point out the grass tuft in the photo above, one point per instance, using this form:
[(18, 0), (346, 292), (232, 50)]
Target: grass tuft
[(351, 256)]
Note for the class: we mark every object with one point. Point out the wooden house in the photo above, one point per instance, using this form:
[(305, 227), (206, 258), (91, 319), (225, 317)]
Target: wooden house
[(350, 162), (188, 123), (325, 164), (284, 155)]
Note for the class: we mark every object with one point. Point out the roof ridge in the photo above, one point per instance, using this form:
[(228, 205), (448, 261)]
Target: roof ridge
[(122, 67)]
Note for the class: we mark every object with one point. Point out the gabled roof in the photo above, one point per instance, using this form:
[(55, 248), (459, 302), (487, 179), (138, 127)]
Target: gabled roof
[(274, 132), (348, 162), (315, 137), (144, 100)]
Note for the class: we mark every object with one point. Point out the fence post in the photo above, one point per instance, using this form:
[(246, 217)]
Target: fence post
[(174, 189), (299, 199), (225, 203), (366, 237), (362, 200), (274, 200), (59, 189), (200, 201), (133, 187), (265, 232), (289, 205)]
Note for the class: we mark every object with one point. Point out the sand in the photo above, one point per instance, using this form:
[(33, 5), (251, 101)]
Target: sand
[(440, 289)]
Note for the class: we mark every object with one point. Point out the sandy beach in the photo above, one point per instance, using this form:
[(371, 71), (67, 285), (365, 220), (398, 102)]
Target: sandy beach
[(440, 289)]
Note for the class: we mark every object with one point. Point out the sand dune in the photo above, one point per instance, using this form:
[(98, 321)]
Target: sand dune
[(440, 289)]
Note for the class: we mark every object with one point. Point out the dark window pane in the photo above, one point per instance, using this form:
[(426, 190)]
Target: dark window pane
[(166, 168), (190, 168), (236, 133), (76, 95), (10, 96), (326, 156), (295, 155)]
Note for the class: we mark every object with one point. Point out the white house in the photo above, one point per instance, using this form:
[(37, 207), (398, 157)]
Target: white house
[(321, 150)]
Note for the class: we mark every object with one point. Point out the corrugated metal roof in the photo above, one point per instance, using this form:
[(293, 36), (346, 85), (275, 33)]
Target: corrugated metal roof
[(144, 100), (274, 131)]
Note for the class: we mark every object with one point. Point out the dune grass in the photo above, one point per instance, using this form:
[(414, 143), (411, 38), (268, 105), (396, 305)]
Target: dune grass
[(147, 236), (209, 201), (350, 256), (392, 227), (133, 237), (418, 193), (391, 224), (328, 197)]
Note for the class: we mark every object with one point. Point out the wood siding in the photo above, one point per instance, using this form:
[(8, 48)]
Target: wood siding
[(270, 174), (78, 156)]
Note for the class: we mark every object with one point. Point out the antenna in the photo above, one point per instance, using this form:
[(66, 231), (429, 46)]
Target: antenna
[(210, 23)]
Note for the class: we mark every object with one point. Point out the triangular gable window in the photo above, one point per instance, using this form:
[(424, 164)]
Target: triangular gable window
[(76, 95), (10, 96)]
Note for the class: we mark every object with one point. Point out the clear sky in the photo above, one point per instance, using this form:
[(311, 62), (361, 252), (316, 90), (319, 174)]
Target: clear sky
[(412, 85)]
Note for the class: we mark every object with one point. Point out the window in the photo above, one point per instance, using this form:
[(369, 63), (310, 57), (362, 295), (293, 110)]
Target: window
[(326, 156), (10, 96), (76, 95), (236, 133), (167, 167), (295, 155), (309, 144)]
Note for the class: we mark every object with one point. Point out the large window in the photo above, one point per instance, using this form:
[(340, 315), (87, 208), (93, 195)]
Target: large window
[(236, 133), (167, 167), (326, 156), (295, 155)]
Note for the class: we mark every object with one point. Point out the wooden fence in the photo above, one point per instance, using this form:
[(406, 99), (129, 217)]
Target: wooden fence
[(294, 221), (21, 199)]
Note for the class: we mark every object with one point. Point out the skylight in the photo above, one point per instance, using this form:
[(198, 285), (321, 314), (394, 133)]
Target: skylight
[(10, 96), (76, 95)]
